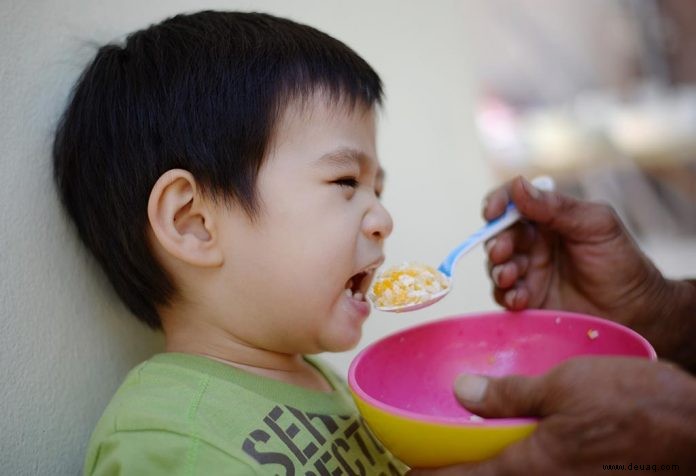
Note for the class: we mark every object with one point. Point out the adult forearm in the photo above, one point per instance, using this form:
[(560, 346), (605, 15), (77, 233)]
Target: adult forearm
[(671, 324), (685, 317)]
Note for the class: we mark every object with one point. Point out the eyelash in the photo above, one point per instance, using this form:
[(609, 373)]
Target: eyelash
[(347, 182), (353, 183)]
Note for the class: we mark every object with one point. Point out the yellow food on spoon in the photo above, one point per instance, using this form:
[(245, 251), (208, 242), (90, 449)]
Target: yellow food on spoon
[(408, 283)]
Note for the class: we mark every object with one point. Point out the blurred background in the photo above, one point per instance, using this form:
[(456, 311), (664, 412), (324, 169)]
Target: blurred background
[(600, 94)]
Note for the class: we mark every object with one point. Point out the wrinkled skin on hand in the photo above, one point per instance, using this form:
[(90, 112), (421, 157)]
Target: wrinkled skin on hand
[(577, 256), (594, 411)]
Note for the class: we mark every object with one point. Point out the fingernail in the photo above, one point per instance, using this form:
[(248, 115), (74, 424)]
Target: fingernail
[(531, 190), (510, 297), (495, 273), (471, 388), (489, 245)]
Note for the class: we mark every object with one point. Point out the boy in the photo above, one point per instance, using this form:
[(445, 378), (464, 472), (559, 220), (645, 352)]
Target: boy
[(221, 166)]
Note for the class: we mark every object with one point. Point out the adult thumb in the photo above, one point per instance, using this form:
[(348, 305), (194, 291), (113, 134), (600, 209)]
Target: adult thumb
[(563, 214), (502, 397)]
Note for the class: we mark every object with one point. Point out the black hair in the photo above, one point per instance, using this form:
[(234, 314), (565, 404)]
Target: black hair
[(200, 92)]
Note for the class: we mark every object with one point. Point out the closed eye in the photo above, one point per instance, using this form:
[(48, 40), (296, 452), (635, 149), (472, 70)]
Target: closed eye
[(347, 182)]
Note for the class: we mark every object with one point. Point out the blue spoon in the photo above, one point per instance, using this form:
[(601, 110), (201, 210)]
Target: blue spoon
[(492, 228)]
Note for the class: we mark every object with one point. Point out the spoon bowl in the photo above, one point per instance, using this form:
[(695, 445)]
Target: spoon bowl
[(432, 299), (446, 268)]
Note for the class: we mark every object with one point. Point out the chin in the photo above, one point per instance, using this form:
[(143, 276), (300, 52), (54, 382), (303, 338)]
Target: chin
[(342, 342)]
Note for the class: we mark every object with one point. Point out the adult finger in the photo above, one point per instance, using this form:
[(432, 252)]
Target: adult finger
[(512, 396), (495, 203), (568, 216), (507, 274), (516, 239), (516, 298)]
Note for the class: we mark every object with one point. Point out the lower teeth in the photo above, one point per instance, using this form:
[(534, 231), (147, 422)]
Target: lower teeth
[(357, 296)]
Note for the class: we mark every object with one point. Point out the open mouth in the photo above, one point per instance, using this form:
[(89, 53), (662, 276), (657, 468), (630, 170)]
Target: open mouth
[(358, 284)]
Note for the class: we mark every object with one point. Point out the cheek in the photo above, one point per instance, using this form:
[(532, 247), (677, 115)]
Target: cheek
[(317, 242), (313, 281), (307, 253), (303, 275)]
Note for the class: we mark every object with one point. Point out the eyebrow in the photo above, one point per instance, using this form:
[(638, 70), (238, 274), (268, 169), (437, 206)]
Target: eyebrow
[(347, 156)]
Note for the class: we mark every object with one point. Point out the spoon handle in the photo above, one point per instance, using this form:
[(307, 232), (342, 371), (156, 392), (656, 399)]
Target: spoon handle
[(492, 228), (489, 230)]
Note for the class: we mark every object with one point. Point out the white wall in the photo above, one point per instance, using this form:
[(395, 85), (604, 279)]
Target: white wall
[(65, 341)]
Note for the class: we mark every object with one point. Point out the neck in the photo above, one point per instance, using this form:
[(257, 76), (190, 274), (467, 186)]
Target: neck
[(201, 337)]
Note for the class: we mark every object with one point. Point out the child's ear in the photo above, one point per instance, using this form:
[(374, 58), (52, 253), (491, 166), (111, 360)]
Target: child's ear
[(183, 221)]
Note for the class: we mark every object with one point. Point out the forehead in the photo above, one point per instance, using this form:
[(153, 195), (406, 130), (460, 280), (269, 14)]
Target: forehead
[(321, 126)]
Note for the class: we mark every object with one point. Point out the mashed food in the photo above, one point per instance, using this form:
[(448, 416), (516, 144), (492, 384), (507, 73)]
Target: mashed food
[(408, 283)]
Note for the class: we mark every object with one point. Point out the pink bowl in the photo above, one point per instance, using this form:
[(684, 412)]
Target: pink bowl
[(410, 374)]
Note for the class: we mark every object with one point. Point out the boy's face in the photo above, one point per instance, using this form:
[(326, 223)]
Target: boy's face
[(321, 223)]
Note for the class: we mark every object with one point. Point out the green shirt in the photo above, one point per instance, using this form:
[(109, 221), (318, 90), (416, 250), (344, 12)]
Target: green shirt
[(180, 414)]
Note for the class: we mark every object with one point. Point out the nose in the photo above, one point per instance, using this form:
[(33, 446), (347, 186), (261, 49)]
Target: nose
[(378, 223)]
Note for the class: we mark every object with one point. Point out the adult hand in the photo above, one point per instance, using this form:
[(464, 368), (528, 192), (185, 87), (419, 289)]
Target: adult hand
[(594, 411), (577, 256)]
